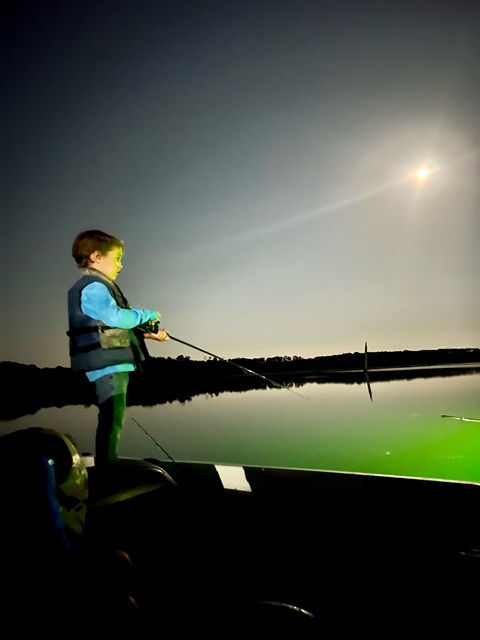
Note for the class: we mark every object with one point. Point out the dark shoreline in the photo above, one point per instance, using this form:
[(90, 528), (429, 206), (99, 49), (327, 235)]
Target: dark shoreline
[(168, 380)]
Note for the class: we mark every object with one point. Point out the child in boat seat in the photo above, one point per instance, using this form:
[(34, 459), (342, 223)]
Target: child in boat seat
[(105, 340)]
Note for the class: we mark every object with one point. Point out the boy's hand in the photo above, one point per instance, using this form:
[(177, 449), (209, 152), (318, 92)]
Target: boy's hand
[(161, 335)]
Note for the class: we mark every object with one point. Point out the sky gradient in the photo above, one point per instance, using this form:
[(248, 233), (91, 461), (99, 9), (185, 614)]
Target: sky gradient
[(258, 160)]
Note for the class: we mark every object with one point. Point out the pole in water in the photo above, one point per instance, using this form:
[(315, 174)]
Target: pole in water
[(259, 375), (365, 371)]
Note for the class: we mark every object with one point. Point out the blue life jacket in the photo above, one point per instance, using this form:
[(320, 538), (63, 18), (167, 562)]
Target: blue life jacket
[(94, 345), (46, 489)]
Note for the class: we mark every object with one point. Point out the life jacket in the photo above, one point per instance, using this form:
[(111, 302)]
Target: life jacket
[(93, 344), (20, 452)]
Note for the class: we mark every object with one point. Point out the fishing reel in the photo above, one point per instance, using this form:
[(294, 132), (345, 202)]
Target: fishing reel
[(152, 326)]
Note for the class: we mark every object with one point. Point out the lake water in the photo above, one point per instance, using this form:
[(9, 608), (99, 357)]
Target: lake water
[(325, 426)]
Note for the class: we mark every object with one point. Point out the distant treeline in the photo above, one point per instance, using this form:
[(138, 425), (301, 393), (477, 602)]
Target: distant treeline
[(345, 361), (28, 388)]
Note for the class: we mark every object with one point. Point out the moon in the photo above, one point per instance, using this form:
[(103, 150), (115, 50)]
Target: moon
[(422, 173)]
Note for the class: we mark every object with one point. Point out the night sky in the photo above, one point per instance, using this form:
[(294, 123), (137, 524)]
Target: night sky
[(258, 159)]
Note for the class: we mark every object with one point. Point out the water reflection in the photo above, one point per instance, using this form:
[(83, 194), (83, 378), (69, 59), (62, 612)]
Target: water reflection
[(411, 428), (60, 387)]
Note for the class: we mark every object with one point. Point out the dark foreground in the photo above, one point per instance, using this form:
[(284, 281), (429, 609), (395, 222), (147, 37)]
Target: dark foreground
[(222, 550), (304, 553)]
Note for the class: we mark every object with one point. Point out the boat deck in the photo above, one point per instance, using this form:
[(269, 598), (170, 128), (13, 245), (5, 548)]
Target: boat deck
[(354, 551)]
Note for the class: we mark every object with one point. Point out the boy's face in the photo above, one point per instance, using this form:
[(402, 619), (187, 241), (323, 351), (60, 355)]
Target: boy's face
[(110, 264)]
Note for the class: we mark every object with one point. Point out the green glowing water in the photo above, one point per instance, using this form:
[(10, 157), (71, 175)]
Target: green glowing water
[(331, 427)]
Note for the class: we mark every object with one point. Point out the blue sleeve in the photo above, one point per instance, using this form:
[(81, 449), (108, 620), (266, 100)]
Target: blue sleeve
[(97, 302)]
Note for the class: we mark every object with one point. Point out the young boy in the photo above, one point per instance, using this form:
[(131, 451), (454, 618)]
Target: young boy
[(105, 342)]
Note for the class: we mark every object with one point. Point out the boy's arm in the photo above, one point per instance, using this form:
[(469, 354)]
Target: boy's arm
[(97, 303)]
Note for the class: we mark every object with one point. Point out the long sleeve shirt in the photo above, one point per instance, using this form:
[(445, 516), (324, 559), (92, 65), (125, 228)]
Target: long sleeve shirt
[(97, 302)]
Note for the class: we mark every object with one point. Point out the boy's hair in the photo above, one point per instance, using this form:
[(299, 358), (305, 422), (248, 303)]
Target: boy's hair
[(87, 242)]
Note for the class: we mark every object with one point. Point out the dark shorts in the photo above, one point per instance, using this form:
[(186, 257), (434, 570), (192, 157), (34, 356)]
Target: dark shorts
[(112, 384)]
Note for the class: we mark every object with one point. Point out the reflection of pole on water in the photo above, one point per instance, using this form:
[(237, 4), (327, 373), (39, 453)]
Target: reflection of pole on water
[(365, 370)]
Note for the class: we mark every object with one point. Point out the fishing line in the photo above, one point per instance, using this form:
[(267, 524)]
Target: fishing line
[(244, 369)]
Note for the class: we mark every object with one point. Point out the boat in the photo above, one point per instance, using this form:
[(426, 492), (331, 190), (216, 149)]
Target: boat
[(224, 549)]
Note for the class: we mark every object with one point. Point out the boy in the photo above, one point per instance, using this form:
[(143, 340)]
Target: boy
[(105, 341)]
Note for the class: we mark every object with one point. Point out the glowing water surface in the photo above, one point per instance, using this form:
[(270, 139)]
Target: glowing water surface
[(329, 426)]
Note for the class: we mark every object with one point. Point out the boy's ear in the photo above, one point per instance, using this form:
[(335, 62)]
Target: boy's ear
[(95, 257)]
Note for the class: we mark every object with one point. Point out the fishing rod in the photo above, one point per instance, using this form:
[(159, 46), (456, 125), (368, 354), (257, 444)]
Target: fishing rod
[(153, 440), (444, 415), (235, 364)]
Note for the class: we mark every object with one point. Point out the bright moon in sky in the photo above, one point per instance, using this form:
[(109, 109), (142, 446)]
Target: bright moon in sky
[(422, 173)]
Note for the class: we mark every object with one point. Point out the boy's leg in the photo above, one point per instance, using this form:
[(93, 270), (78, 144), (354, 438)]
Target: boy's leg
[(112, 403)]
